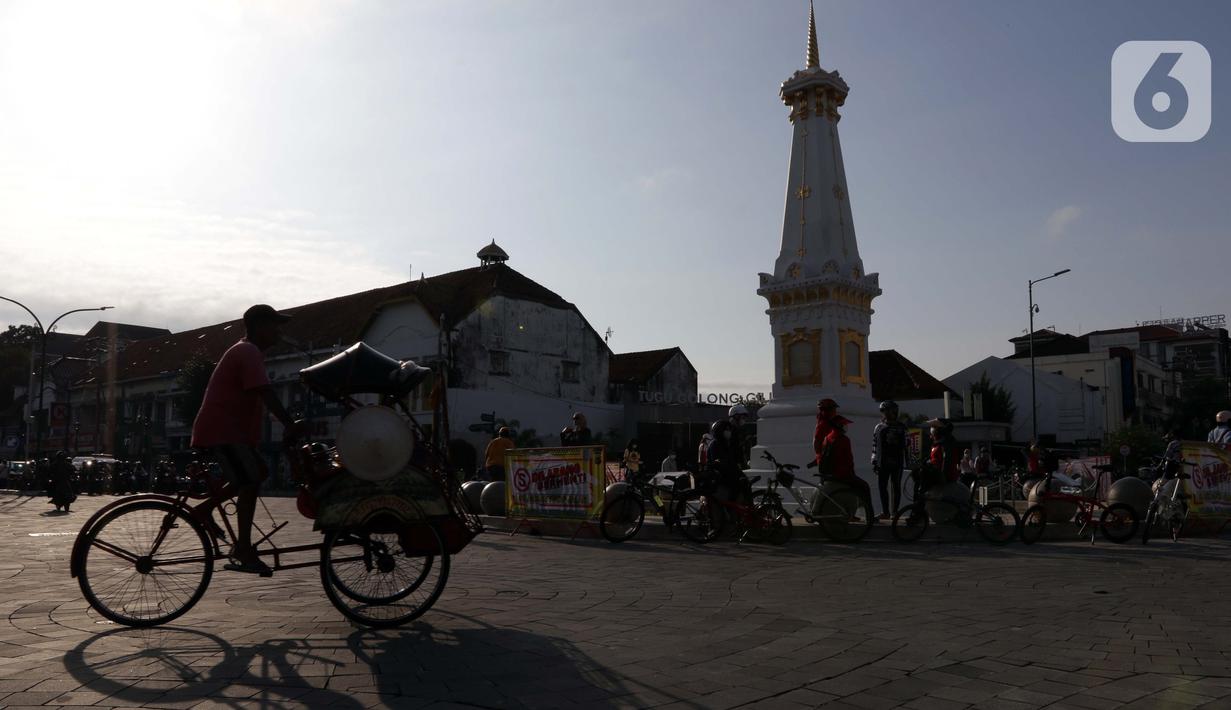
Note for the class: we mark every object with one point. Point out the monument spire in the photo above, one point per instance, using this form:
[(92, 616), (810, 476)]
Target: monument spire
[(814, 54)]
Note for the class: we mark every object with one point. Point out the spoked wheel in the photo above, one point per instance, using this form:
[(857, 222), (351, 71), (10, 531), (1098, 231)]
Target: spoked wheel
[(145, 564), (622, 518), (770, 523), (1151, 521), (910, 522), (384, 579), (845, 516), (698, 517), (1118, 522), (1033, 523), (1178, 519), (907, 493), (996, 522)]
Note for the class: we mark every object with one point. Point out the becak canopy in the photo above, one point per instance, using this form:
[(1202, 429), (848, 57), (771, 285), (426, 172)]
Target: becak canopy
[(363, 369)]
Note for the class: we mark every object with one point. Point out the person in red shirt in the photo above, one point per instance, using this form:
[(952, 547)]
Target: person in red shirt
[(826, 409), (230, 425), (944, 456), (837, 461)]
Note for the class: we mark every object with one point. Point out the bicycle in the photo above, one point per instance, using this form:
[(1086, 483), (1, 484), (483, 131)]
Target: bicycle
[(840, 511), (1117, 522), (702, 514), (996, 522), (147, 559), (622, 517), (1171, 508)]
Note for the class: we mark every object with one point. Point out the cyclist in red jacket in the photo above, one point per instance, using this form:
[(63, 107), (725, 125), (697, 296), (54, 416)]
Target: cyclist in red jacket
[(837, 461), (944, 456), (826, 409)]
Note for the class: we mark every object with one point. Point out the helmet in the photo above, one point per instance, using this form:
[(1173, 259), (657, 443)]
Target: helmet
[(827, 403), (1223, 417), (718, 427), (941, 425), (737, 410), (889, 406), (505, 431)]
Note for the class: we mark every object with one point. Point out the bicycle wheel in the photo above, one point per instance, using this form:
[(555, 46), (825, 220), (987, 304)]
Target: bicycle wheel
[(1150, 521), (1118, 522), (145, 564), (1178, 519), (767, 523), (907, 494), (622, 518), (699, 518), (910, 522), (845, 516), (996, 522), (1033, 523), (383, 579)]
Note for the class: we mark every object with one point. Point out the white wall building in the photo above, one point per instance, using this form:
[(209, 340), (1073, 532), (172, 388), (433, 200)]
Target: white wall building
[(1067, 408)]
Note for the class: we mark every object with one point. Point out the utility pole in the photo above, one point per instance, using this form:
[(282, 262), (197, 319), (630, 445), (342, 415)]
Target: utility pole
[(1034, 407)]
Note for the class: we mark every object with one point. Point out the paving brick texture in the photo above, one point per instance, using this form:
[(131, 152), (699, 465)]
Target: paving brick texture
[(543, 623)]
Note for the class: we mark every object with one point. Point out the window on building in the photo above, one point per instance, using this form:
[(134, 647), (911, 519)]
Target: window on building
[(854, 360), (569, 371), (498, 362)]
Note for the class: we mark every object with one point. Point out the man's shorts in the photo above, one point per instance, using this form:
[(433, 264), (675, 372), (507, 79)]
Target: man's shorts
[(241, 464)]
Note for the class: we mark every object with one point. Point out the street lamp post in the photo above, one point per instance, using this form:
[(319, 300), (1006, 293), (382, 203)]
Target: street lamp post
[(42, 378), (1034, 409)]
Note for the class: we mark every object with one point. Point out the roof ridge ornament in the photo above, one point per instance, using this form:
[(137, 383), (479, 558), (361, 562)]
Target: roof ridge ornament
[(814, 53)]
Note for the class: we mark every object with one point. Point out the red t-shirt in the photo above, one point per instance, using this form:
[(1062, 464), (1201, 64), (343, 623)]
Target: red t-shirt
[(946, 464), (232, 409)]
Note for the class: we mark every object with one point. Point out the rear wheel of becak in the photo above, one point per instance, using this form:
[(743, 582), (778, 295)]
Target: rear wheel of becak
[(385, 577), (845, 516), (1033, 523), (622, 518), (1118, 522)]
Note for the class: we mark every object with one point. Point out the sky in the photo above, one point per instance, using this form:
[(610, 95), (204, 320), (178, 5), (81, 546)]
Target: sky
[(181, 161)]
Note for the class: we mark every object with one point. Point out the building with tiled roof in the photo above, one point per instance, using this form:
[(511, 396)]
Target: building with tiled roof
[(512, 347)]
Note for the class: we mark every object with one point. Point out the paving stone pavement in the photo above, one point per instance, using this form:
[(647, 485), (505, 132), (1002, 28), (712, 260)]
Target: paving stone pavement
[(539, 623)]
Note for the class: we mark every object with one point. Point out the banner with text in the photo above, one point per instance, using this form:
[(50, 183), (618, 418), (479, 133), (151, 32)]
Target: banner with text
[(555, 483), (1209, 489)]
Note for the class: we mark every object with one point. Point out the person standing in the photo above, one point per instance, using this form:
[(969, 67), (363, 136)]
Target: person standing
[(632, 461), (62, 494), (943, 457), (578, 434), (1221, 433), (966, 467), (737, 415), (493, 458), (703, 450), (889, 457), (230, 424)]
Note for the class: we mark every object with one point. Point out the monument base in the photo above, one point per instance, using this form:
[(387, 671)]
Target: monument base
[(785, 428)]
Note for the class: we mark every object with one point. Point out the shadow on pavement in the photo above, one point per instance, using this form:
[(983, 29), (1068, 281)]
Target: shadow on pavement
[(462, 661)]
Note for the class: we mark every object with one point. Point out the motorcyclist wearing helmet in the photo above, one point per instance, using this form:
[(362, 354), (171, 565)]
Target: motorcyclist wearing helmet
[(737, 415), (723, 457), (1221, 433), (889, 456), (826, 410)]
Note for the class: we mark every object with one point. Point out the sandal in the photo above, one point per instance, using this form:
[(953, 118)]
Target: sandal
[(252, 566)]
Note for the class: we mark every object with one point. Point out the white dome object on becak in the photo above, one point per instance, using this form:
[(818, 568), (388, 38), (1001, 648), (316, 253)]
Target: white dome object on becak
[(737, 410), (375, 443)]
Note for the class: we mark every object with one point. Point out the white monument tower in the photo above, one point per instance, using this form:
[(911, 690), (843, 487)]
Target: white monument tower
[(820, 297)]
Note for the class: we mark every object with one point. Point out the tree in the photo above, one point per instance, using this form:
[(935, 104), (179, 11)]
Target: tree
[(15, 362), (191, 382), (997, 401), (1142, 443), (1199, 401), (19, 335)]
